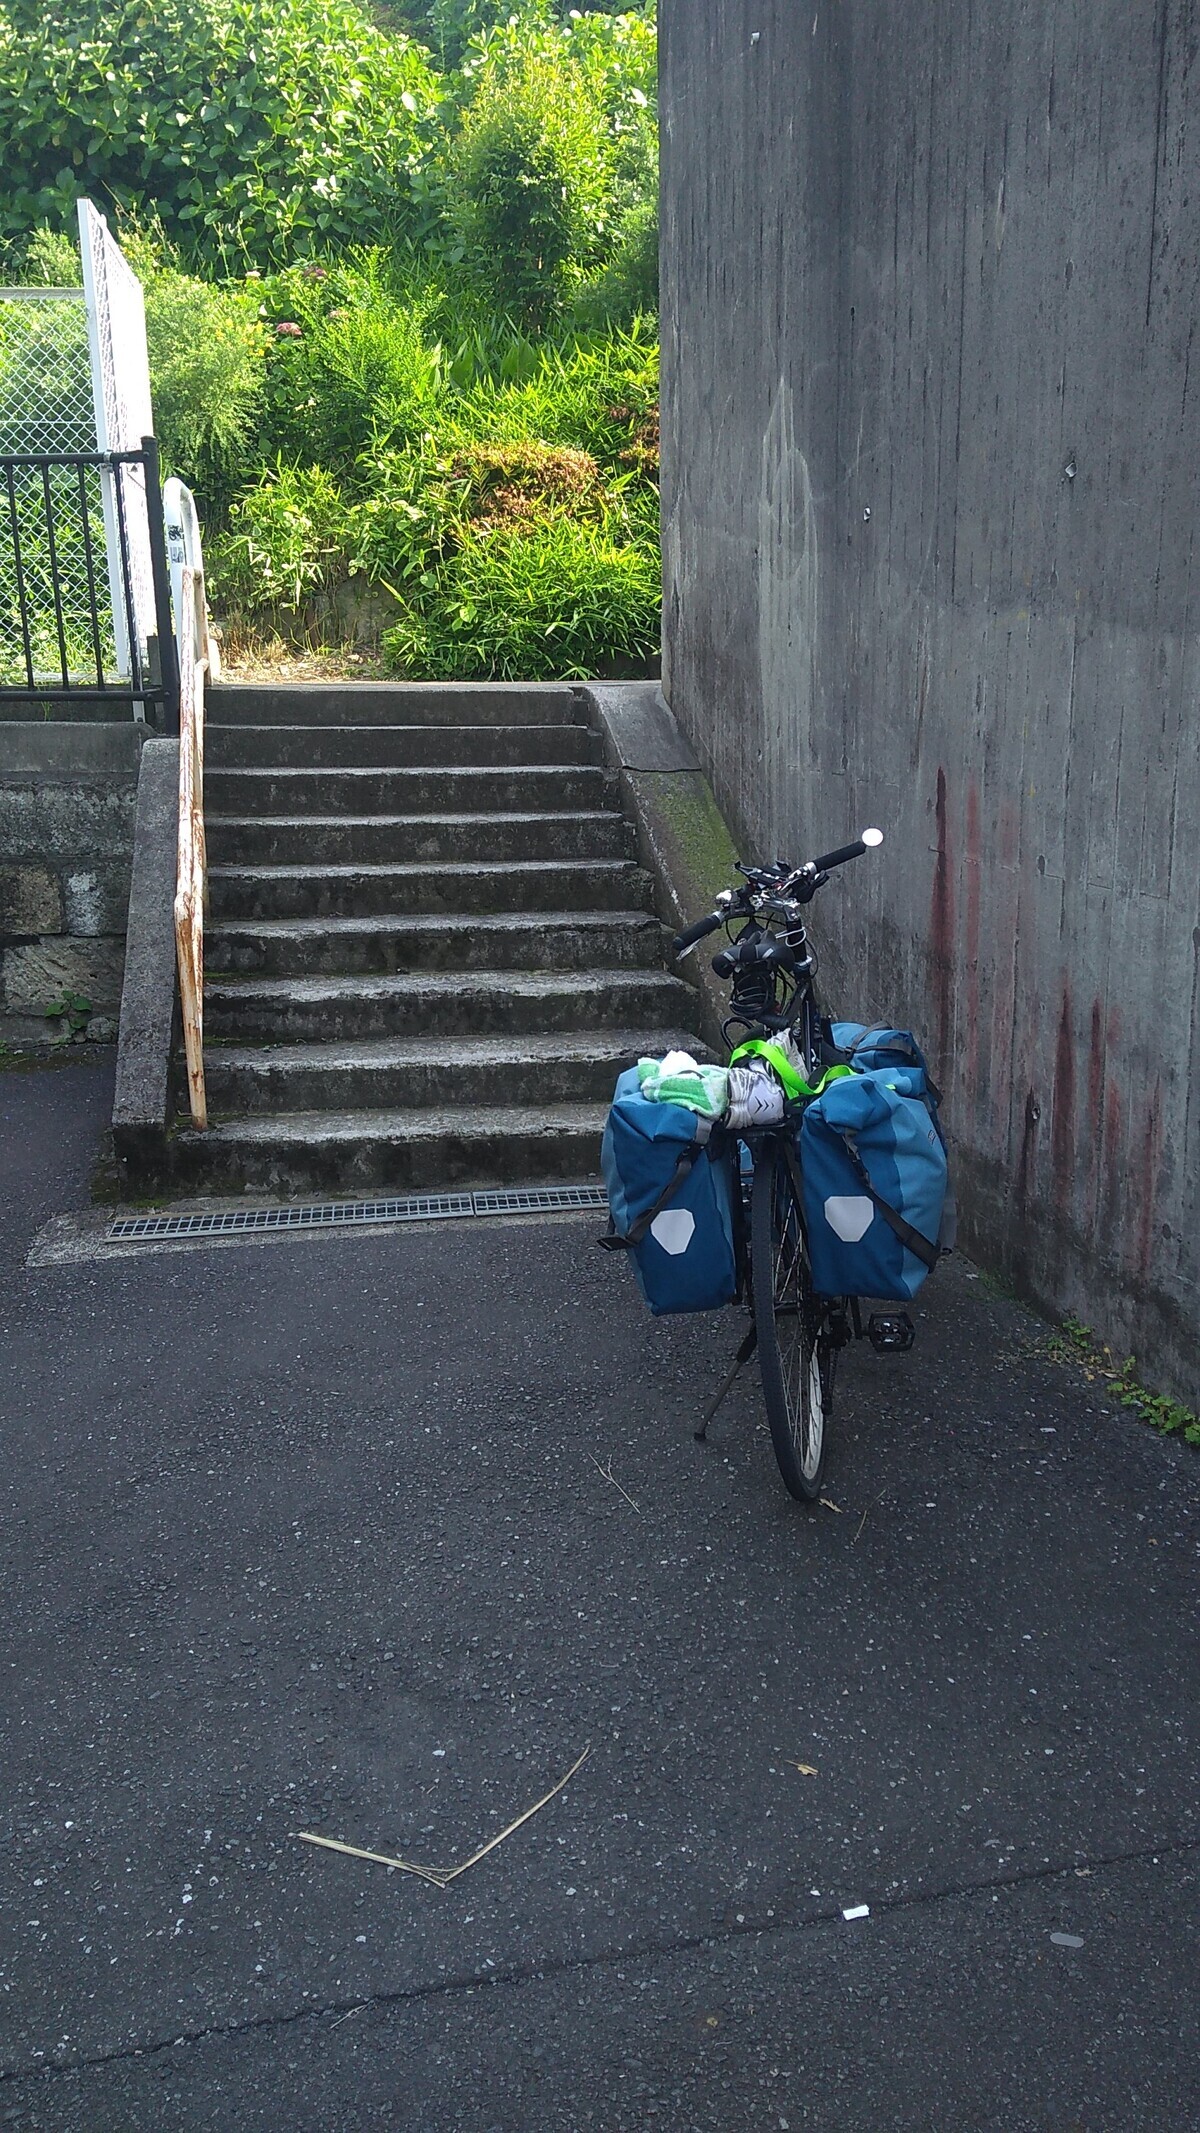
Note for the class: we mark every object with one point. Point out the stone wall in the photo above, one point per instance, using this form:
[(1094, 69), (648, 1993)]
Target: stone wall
[(67, 800), (930, 496)]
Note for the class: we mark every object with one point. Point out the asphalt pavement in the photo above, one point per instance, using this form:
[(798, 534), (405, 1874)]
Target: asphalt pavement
[(374, 1535)]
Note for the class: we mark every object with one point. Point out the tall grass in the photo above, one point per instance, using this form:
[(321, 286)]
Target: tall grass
[(561, 601), (498, 491)]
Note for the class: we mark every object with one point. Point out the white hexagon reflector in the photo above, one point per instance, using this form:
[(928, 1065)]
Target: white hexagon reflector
[(675, 1228), (849, 1218)]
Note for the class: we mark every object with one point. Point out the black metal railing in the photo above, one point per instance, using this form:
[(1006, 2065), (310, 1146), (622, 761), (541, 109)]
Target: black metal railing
[(77, 532)]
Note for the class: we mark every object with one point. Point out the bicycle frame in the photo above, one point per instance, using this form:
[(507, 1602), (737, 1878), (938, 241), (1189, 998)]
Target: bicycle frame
[(773, 967)]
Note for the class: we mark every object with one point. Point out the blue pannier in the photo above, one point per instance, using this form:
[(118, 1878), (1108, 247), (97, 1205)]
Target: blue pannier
[(867, 1046), (668, 1181), (873, 1166)]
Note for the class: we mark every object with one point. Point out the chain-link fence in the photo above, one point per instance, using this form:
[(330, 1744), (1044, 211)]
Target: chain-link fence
[(46, 402), (53, 547)]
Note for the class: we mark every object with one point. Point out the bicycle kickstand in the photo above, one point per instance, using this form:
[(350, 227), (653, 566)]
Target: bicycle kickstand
[(743, 1356)]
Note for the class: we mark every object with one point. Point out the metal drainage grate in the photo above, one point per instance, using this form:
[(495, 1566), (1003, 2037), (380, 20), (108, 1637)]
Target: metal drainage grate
[(342, 1214), (548, 1200)]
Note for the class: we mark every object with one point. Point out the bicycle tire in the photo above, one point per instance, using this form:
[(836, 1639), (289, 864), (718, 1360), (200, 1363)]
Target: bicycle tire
[(795, 1354)]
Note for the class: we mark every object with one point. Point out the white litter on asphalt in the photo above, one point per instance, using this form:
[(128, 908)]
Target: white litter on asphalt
[(857, 1910), (1066, 1940)]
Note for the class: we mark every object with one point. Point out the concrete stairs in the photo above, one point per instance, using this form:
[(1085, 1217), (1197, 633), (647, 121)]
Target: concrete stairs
[(429, 948)]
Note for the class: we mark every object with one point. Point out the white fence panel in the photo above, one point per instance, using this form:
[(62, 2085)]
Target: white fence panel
[(123, 416)]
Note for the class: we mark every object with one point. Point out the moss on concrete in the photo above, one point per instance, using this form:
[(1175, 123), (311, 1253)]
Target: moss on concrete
[(690, 823), (684, 840)]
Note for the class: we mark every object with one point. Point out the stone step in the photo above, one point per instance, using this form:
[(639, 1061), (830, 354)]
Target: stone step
[(564, 788), (458, 840), (465, 1003), (275, 892), (360, 703), (312, 747), (23, 707), (352, 1152), (393, 1074), (389, 944)]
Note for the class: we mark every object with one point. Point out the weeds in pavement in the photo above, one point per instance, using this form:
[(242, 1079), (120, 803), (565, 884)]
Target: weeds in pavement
[(71, 1014), (1075, 1343)]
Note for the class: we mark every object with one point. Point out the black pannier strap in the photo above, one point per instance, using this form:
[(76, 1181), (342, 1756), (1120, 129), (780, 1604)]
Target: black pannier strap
[(910, 1238), (683, 1169)]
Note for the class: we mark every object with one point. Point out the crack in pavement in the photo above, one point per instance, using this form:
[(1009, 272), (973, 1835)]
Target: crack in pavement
[(566, 1966)]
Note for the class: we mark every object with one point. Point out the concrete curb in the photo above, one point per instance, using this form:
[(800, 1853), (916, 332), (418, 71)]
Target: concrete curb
[(142, 1104), (46, 748), (682, 838)]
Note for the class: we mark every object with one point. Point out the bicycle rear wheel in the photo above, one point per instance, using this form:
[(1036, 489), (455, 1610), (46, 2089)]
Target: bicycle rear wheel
[(794, 1350)]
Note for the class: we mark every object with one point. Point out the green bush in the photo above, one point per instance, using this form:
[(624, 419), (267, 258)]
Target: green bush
[(450, 25), (206, 347), (254, 127), (423, 356), (561, 601), (50, 260), (627, 286), (286, 541), (451, 28), (531, 177), (392, 540), (351, 367), (422, 505)]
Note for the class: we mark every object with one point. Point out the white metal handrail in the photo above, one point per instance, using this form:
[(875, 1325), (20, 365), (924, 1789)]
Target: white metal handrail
[(198, 656)]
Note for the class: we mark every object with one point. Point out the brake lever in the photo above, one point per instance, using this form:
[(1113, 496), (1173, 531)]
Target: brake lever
[(804, 884)]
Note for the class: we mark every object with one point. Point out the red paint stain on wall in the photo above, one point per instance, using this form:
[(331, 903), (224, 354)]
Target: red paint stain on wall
[(941, 931), (1062, 1123), (1111, 1166)]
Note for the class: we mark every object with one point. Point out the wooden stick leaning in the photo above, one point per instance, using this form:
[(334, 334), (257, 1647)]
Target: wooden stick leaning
[(190, 889), (442, 1876)]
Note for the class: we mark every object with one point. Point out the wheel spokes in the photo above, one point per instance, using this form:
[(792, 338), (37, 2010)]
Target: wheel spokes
[(793, 1342), (797, 1339)]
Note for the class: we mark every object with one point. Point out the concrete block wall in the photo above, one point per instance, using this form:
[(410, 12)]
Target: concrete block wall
[(68, 794), (930, 493)]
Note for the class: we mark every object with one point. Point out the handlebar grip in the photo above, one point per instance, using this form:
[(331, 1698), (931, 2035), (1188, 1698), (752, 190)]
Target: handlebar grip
[(839, 858), (691, 934)]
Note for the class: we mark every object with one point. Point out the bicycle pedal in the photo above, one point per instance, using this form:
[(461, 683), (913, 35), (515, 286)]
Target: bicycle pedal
[(891, 1332)]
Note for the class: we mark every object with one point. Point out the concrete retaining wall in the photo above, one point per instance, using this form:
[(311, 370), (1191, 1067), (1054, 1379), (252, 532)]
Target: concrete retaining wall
[(67, 800), (930, 498), (682, 839)]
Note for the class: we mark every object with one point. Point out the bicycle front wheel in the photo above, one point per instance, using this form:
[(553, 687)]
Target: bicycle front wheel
[(794, 1351)]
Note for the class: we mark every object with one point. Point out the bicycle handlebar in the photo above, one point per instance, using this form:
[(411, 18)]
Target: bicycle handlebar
[(799, 886), (691, 934), (866, 843)]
